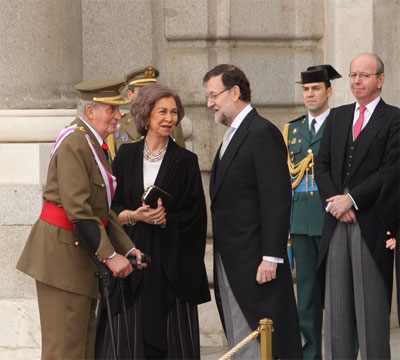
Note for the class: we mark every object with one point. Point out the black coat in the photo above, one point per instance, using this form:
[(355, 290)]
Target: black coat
[(250, 206), (177, 269), (376, 157)]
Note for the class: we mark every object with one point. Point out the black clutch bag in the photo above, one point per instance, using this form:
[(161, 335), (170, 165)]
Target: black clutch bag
[(152, 193)]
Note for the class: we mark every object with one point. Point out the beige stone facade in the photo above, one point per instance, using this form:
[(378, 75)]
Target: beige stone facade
[(48, 46)]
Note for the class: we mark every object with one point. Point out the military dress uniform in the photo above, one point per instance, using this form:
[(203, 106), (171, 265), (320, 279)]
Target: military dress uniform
[(306, 229), (64, 272), (126, 130)]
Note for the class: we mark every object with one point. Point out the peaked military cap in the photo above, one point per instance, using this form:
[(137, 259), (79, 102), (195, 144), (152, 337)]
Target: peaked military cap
[(106, 91), (319, 73), (143, 76)]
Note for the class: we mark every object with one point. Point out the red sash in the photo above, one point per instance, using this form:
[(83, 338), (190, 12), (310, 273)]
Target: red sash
[(57, 216)]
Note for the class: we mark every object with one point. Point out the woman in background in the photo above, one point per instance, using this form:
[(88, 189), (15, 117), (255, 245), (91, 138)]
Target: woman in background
[(162, 300)]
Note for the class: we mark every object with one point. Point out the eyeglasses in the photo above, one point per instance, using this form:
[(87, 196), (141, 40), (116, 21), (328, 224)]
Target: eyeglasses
[(362, 76), (213, 96)]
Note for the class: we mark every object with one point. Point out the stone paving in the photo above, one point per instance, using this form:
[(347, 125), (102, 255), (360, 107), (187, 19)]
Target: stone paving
[(214, 353), (207, 353)]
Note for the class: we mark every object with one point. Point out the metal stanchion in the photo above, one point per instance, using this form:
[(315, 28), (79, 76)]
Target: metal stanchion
[(266, 330)]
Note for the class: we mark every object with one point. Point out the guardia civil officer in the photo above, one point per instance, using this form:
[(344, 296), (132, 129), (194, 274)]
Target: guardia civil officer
[(303, 136), (77, 195), (126, 131)]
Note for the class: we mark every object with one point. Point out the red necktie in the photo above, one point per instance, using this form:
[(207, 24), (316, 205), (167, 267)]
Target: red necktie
[(359, 123)]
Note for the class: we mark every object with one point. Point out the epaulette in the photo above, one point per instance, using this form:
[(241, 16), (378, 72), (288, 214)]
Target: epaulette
[(299, 118), (140, 139)]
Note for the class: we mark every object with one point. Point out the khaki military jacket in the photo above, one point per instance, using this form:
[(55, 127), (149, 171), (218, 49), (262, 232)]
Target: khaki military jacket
[(53, 255)]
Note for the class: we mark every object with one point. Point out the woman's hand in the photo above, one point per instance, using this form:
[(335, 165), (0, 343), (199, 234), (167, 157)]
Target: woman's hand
[(152, 216), (145, 214)]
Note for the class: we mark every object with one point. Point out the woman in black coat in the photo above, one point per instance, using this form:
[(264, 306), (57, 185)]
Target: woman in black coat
[(162, 299)]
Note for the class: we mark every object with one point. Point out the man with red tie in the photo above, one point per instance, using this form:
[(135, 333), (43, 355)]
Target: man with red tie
[(360, 147)]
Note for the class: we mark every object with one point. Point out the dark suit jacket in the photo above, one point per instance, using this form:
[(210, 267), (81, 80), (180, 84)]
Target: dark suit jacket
[(250, 206), (377, 156)]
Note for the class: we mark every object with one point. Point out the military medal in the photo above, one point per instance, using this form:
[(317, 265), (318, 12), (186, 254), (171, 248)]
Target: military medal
[(124, 137), (294, 132), (294, 140), (116, 135)]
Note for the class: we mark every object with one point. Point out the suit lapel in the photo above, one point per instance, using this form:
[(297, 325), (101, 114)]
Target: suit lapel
[(368, 134), (319, 134), (170, 155), (230, 152), (304, 130), (344, 121)]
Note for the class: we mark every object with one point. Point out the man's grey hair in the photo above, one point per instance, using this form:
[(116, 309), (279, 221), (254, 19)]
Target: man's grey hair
[(380, 67), (82, 105)]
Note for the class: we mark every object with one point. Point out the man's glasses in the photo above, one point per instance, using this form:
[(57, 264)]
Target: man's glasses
[(362, 76), (213, 96)]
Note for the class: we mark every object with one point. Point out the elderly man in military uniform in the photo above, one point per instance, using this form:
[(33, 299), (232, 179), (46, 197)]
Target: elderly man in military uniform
[(302, 137), (77, 199), (126, 131)]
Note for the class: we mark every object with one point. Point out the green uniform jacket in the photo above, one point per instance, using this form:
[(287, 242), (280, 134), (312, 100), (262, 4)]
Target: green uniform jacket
[(127, 133), (53, 255), (307, 211)]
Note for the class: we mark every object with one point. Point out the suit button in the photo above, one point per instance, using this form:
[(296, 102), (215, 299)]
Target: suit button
[(351, 147), (349, 165), (76, 243), (347, 174)]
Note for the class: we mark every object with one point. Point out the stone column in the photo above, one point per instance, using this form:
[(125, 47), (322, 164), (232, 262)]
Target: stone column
[(41, 59), (353, 27)]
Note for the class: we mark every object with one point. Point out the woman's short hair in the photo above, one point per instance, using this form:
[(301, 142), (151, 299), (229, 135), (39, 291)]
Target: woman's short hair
[(145, 101)]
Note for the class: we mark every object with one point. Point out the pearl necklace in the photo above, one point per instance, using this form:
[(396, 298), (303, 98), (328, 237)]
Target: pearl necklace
[(148, 155)]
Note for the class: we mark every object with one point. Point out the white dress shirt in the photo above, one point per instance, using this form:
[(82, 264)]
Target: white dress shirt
[(319, 119)]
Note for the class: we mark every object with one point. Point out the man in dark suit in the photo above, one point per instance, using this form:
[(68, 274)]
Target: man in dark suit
[(359, 150), (77, 198), (250, 206)]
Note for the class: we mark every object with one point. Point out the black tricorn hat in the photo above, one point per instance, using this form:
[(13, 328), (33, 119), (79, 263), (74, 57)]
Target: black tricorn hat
[(319, 73)]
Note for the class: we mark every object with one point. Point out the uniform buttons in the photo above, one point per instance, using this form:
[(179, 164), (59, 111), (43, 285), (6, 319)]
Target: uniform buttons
[(96, 254), (102, 185), (311, 193), (76, 243)]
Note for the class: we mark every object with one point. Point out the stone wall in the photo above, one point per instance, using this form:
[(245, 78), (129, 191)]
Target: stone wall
[(47, 46)]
